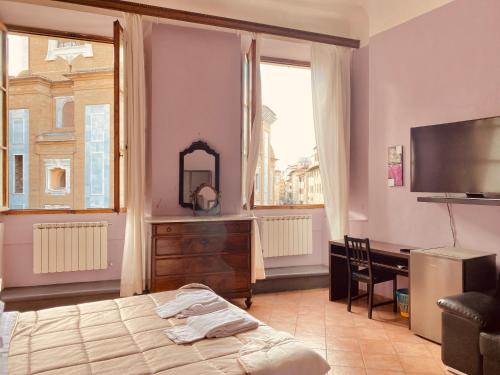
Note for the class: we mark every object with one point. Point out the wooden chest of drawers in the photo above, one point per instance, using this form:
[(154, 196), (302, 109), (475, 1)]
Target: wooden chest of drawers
[(214, 253)]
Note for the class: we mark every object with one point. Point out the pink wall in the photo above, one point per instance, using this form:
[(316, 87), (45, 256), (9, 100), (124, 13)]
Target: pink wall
[(358, 191), (442, 66), (195, 94), (18, 250)]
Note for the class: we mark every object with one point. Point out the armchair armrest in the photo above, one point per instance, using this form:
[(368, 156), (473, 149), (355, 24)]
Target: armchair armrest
[(481, 308)]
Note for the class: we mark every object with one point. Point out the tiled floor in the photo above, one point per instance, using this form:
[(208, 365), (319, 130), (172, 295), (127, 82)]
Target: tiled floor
[(350, 342)]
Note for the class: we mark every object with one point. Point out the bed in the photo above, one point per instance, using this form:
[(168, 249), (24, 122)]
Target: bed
[(124, 336)]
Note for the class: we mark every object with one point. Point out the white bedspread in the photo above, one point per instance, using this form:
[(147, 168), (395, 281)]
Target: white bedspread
[(280, 353), (7, 323)]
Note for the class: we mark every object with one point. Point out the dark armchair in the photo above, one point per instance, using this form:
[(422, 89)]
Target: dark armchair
[(471, 332)]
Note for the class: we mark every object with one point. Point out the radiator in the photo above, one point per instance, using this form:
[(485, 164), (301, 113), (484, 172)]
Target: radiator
[(286, 235), (65, 247)]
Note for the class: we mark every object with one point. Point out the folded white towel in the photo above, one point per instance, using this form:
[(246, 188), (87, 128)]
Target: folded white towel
[(280, 354), (186, 299), (202, 309), (220, 323)]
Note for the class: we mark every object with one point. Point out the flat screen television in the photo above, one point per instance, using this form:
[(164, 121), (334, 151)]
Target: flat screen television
[(459, 157)]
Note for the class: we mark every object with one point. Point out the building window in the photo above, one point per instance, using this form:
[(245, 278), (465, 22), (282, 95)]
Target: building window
[(63, 156), (18, 174), (57, 180), (65, 112), (288, 160)]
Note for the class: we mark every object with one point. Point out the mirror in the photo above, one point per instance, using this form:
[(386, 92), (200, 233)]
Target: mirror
[(198, 165), (206, 201)]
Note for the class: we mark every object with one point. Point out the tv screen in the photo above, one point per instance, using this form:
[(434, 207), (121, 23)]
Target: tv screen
[(460, 157)]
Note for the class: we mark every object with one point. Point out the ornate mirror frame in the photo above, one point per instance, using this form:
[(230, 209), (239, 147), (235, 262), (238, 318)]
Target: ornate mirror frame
[(198, 145)]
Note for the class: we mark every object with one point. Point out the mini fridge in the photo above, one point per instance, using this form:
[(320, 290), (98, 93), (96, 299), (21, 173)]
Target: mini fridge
[(442, 272)]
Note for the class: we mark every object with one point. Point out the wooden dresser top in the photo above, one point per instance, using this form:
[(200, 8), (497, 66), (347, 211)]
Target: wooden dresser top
[(196, 219)]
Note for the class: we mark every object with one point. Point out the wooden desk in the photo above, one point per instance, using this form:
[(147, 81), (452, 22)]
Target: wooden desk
[(384, 255)]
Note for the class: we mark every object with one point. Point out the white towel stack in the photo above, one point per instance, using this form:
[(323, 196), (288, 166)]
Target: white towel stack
[(221, 323), (190, 302)]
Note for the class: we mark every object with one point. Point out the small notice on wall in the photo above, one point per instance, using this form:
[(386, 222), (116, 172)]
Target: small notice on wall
[(395, 166)]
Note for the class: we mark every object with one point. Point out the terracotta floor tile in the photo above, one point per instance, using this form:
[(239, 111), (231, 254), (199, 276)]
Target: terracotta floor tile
[(376, 346), (343, 358), (382, 362), (384, 344), (407, 349), (282, 326), (345, 344), (342, 332), (302, 329), (339, 323), (427, 365), (372, 333), (343, 370), (313, 341)]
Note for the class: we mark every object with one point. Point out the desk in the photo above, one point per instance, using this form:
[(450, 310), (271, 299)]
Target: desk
[(384, 255)]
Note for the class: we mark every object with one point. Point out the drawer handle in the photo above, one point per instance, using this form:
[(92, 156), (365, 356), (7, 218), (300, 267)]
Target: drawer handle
[(169, 229), (204, 242)]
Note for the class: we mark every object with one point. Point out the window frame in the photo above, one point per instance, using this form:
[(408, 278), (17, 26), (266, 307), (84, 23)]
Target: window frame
[(115, 199), (293, 63)]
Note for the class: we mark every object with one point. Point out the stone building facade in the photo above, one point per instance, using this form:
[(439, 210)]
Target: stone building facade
[(60, 123)]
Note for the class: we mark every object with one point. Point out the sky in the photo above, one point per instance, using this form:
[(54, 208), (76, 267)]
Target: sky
[(287, 92), (17, 54)]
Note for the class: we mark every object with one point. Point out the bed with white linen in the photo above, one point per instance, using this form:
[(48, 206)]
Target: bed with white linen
[(125, 336)]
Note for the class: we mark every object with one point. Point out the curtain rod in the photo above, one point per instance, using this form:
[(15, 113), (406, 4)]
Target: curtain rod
[(206, 19)]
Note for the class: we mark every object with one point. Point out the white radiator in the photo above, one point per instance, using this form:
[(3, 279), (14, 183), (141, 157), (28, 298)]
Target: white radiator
[(64, 247), (286, 235)]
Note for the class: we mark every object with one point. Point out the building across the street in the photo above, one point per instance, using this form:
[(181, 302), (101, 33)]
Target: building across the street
[(60, 123)]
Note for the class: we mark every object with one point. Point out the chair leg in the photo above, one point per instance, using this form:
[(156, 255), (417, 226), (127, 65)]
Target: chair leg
[(370, 299), (349, 294), (394, 296)]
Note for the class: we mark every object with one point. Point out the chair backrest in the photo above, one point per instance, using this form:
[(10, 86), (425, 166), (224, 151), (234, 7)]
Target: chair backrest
[(358, 253)]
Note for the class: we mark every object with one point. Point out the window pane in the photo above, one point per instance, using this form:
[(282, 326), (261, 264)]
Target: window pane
[(59, 137), (18, 158), (18, 174), (288, 168)]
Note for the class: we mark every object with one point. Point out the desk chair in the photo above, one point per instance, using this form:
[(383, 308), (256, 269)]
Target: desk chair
[(361, 269)]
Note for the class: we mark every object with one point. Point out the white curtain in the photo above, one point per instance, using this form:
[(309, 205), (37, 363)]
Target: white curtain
[(331, 91), (248, 173), (133, 267)]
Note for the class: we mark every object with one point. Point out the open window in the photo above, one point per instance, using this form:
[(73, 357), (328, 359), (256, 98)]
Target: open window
[(63, 135), (3, 117), (287, 173)]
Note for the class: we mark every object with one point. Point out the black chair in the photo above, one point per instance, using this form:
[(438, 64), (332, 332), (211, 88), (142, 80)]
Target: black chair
[(361, 269)]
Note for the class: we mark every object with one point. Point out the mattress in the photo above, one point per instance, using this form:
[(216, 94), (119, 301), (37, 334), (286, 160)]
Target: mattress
[(121, 336)]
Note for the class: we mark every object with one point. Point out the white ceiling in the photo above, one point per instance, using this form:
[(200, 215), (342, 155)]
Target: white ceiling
[(357, 19)]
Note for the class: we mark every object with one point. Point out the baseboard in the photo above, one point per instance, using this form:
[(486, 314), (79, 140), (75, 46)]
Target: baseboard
[(46, 296), (293, 278)]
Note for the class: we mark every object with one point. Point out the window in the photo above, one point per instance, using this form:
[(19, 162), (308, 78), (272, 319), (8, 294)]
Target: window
[(288, 167), (65, 111), (18, 174), (65, 157), (57, 177)]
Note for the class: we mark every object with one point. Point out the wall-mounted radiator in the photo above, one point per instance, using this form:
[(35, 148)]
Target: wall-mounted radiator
[(286, 235), (67, 247)]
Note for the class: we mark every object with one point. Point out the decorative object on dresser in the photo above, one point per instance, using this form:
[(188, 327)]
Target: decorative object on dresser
[(198, 165), (206, 201), (212, 250)]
